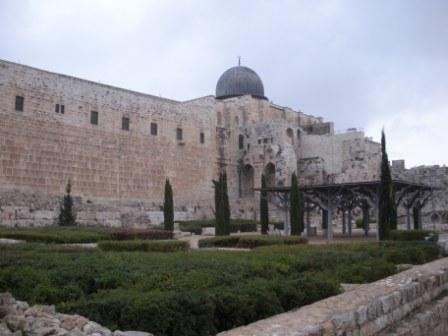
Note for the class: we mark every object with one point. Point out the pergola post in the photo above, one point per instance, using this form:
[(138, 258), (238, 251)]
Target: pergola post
[(329, 223), (349, 222), (343, 222), (408, 218), (308, 220), (365, 218)]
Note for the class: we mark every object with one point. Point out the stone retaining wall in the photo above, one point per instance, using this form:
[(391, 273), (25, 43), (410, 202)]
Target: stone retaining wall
[(17, 318), (409, 303)]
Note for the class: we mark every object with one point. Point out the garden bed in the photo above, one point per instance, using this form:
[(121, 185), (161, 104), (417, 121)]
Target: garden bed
[(195, 292)]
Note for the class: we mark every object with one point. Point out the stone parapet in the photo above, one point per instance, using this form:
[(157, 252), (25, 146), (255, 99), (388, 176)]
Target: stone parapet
[(370, 309)]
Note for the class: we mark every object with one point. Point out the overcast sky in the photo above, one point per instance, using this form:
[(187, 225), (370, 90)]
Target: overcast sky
[(366, 64)]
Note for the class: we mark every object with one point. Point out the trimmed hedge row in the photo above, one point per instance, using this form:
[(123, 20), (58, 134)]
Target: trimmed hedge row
[(141, 234), (250, 241), (199, 292), (195, 226), (56, 234), (80, 234), (144, 245), (412, 235)]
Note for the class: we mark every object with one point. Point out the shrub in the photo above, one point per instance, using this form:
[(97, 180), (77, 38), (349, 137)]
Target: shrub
[(58, 235), (194, 293), (168, 207), (241, 225), (410, 235), (250, 241), (144, 245), (141, 234)]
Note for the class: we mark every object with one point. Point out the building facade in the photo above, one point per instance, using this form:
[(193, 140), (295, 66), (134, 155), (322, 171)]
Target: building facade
[(118, 146)]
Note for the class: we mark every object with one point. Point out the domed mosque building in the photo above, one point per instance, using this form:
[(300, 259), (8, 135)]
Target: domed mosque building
[(117, 147)]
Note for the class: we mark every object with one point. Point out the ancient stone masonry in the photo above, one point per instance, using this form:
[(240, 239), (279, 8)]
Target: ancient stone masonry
[(17, 318), (118, 146), (413, 302)]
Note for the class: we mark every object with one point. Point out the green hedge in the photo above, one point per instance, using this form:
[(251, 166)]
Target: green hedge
[(128, 234), (199, 292), (411, 235), (250, 241), (57, 234), (144, 245), (195, 226)]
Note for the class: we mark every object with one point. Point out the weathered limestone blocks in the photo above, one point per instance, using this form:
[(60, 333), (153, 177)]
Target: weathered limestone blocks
[(412, 300), (17, 318)]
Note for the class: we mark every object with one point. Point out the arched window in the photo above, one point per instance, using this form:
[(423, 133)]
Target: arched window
[(247, 181), (269, 173), (290, 135), (241, 141)]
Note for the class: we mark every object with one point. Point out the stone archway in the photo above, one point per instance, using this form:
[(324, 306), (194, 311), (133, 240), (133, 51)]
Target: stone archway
[(247, 183), (290, 135)]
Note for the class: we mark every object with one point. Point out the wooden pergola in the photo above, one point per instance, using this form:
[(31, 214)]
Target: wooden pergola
[(347, 196)]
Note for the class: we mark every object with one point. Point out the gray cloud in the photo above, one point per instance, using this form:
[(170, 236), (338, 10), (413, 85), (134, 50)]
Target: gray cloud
[(358, 63)]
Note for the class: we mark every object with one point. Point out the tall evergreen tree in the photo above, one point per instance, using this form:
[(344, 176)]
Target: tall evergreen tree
[(387, 215), (67, 216), (295, 209), (222, 208), (226, 205), (168, 207), (264, 210)]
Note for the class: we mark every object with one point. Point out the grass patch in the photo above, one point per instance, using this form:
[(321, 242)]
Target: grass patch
[(250, 241), (144, 245), (196, 292)]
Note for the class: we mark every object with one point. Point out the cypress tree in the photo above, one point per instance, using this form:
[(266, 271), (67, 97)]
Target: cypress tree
[(222, 208), (295, 209), (168, 207), (67, 216), (387, 216), (226, 205), (264, 210)]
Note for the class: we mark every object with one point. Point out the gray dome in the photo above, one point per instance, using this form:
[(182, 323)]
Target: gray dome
[(239, 81)]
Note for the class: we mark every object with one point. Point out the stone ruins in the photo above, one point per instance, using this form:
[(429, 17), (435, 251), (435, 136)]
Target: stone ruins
[(118, 146)]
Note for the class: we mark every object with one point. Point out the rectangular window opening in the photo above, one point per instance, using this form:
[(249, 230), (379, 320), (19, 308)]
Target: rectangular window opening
[(179, 134), (62, 109), (153, 129), (56, 108), (125, 123), (94, 117), (202, 137), (19, 103)]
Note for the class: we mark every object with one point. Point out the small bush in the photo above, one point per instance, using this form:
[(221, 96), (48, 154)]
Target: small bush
[(411, 235), (141, 234), (144, 245), (250, 241)]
